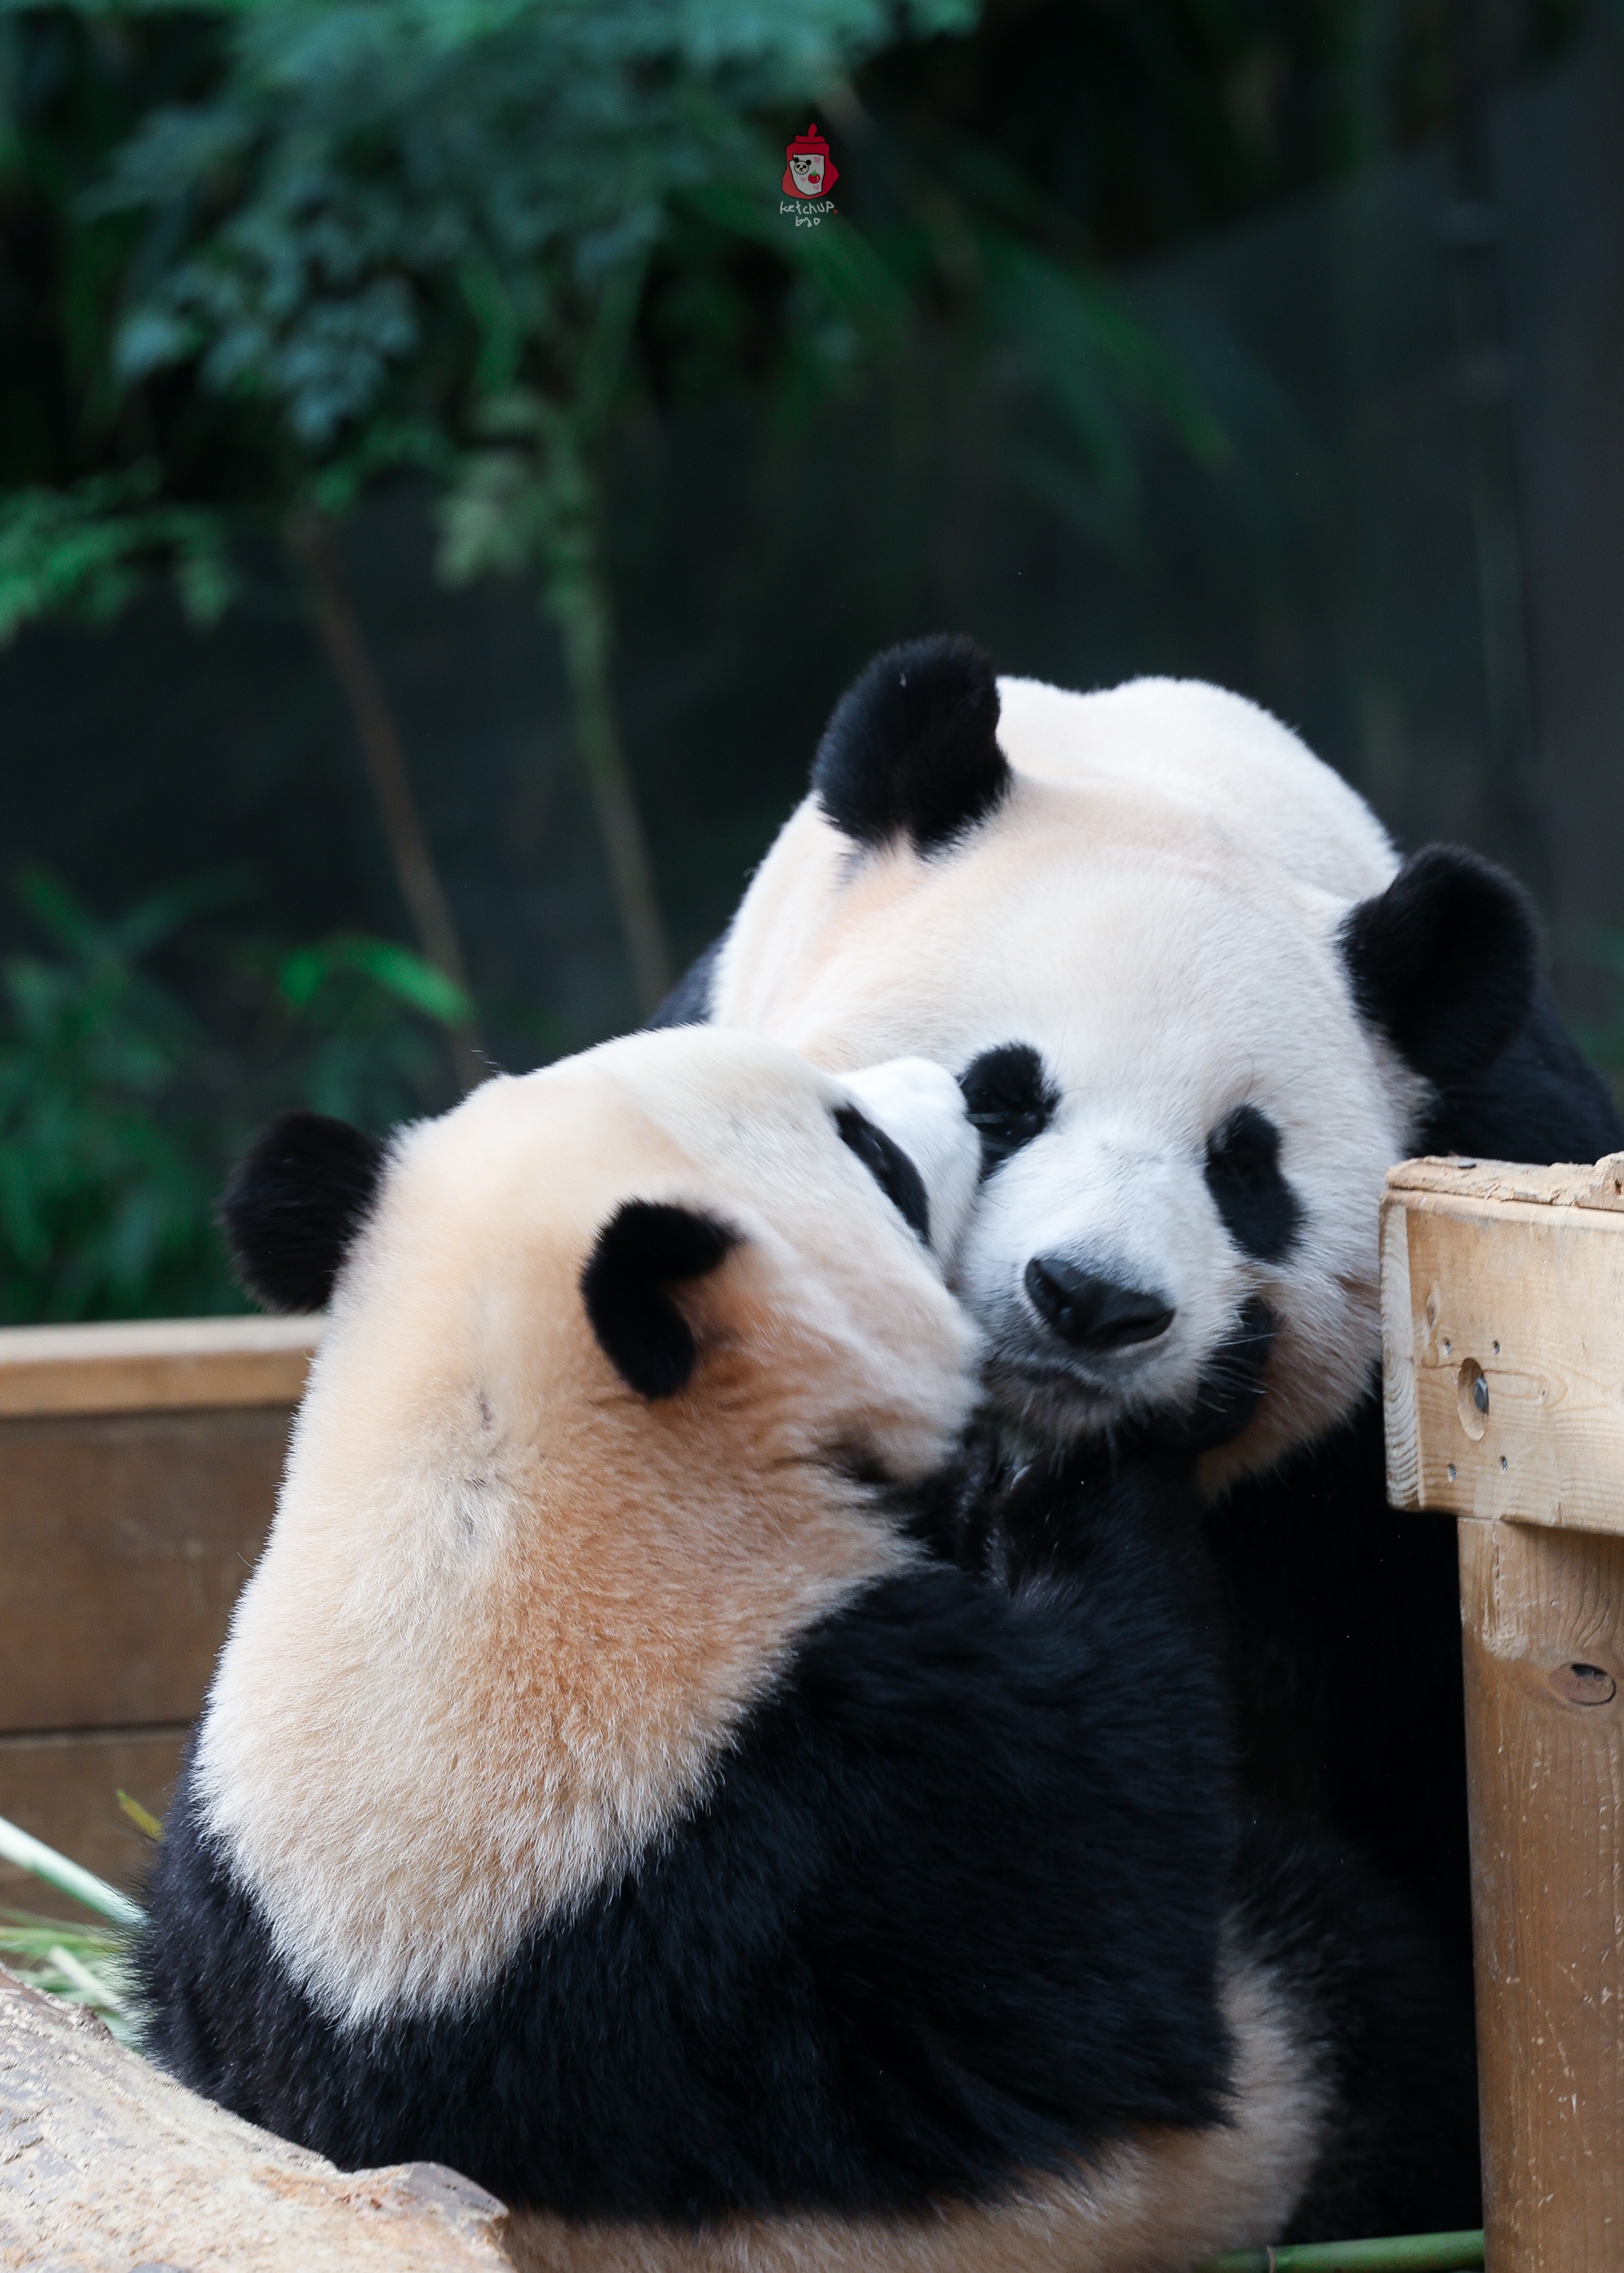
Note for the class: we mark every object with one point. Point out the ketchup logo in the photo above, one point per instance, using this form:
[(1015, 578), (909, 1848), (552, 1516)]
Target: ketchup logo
[(808, 169)]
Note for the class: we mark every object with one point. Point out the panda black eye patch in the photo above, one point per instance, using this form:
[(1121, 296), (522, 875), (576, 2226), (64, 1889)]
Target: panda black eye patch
[(1010, 1100), (1259, 1209), (889, 1167)]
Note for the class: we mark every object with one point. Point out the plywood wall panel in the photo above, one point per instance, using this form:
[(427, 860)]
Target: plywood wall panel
[(124, 1539)]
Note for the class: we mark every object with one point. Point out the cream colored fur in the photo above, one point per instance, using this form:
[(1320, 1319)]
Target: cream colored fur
[(1231, 761), (510, 1611), (1155, 906), (1156, 2203)]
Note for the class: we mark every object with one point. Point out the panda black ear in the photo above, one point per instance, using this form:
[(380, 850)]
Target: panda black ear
[(294, 1203), (912, 748), (647, 1246), (1444, 961)]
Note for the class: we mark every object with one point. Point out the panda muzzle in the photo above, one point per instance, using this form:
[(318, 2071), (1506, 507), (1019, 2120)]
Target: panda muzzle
[(1093, 1313)]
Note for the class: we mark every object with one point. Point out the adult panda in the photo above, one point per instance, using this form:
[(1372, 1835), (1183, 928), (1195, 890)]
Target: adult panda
[(1198, 1005), (607, 1787)]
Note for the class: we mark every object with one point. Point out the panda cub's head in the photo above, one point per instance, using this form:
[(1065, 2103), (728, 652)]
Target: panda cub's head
[(1196, 1005), (618, 1353)]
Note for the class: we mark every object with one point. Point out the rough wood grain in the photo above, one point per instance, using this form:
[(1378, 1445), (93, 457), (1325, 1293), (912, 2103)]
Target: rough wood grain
[(1544, 1628), (151, 1365), (105, 2164), (124, 1539), (1571, 1184), (1510, 1403), (1399, 1358), (65, 1790)]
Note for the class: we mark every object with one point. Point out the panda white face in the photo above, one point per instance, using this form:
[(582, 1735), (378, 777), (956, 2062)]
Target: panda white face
[(1197, 1004), (1166, 1137), (1112, 1261)]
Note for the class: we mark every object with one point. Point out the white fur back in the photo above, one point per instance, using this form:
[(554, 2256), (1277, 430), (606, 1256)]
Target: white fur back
[(511, 1613), (1214, 751)]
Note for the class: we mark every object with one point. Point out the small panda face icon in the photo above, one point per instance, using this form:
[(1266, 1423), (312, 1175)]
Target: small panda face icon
[(808, 169)]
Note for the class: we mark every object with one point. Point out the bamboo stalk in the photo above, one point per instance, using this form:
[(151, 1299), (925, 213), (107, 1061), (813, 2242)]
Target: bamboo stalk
[(1398, 2253), (16, 1846), (73, 1969), (311, 538)]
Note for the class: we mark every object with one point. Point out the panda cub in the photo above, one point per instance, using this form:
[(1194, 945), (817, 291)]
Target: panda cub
[(614, 1786), (1198, 1005)]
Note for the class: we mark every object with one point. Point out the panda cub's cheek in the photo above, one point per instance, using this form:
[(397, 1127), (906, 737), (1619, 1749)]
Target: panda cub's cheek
[(919, 1108)]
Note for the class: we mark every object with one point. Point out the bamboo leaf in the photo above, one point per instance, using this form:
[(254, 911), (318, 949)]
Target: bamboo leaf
[(142, 1818), (19, 1846)]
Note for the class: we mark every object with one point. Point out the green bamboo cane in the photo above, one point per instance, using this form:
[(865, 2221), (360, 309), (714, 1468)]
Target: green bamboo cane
[(33, 1855), (1398, 2253)]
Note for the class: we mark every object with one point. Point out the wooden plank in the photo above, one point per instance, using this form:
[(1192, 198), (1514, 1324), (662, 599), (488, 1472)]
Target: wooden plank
[(65, 1789), (1511, 1404), (1543, 1613), (108, 2164), (1399, 1358), (155, 1364), (124, 1539), (1571, 1184)]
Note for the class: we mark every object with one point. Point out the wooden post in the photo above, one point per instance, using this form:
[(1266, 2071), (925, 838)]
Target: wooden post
[(1503, 1367), (138, 1473)]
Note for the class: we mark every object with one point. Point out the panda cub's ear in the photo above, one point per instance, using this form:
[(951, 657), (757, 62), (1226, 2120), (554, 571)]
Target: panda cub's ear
[(294, 1201), (646, 1247), (912, 748), (1444, 962)]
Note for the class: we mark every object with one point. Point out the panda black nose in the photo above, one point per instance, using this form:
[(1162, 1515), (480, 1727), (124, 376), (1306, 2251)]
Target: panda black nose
[(1094, 1313)]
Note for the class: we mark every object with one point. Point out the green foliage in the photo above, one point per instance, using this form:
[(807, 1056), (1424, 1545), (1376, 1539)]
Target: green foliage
[(458, 233), (82, 551), (120, 1111), (386, 178), (347, 1026), (397, 219), (84, 1964), (106, 1179)]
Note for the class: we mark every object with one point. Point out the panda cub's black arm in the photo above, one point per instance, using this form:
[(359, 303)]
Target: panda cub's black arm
[(1029, 1858)]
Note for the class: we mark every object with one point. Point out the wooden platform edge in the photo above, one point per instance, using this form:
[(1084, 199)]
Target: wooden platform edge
[(1502, 1364), (1401, 1421), (1569, 1184), (155, 1365)]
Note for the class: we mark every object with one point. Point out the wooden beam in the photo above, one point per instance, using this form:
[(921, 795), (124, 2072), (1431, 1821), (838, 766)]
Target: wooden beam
[(150, 1365), (1544, 1623), (125, 1539), (65, 1789), (1503, 1384), (1503, 1346)]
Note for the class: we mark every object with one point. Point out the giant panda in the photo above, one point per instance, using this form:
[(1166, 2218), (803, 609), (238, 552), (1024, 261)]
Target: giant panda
[(616, 1786), (1198, 1005)]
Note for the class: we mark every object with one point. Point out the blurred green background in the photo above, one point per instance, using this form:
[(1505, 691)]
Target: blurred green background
[(442, 492)]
